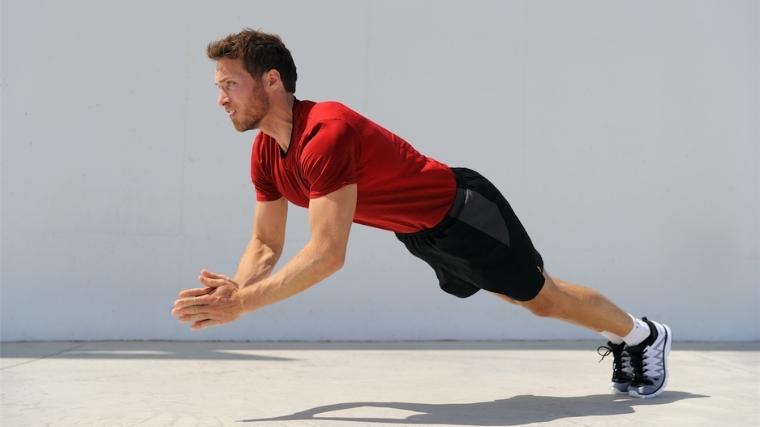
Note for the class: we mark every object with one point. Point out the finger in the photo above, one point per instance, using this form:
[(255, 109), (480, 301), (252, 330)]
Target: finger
[(203, 324), (186, 311), (213, 275), (189, 302), (195, 292), (213, 283), (194, 317)]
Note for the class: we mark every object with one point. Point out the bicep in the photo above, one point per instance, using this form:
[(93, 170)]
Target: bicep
[(269, 221), (330, 219)]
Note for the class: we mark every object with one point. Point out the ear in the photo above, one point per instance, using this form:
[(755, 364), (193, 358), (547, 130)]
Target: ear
[(272, 78)]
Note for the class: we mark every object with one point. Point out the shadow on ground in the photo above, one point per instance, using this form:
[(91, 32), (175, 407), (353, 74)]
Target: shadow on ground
[(516, 410), (240, 350)]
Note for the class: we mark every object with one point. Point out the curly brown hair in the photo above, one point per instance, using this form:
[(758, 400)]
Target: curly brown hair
[(260, 52)]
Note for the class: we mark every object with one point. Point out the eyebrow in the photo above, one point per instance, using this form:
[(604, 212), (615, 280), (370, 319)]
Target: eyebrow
[(222, 81)]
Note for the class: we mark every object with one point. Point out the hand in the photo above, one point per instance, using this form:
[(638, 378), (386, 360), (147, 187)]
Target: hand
[(219, 302)]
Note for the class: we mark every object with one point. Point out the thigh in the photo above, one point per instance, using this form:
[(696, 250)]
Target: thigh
[(490, 242)]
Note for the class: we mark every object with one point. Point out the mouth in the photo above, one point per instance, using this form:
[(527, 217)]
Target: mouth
[(231, 113)]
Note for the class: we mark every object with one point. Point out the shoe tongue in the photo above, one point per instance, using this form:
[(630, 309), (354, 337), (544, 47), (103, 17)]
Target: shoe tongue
[(616, 347), (652, 333)]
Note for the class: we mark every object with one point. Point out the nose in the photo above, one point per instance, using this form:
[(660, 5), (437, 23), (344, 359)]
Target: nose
[(222, 99)]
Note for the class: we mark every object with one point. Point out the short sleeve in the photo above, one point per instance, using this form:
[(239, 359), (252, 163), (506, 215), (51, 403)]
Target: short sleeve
[(261, 173), (329, 159)]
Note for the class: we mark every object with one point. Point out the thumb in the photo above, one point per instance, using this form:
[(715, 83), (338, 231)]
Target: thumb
[(212, 283), (212, 275)]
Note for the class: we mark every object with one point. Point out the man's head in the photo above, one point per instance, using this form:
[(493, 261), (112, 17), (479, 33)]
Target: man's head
[(251, 67)]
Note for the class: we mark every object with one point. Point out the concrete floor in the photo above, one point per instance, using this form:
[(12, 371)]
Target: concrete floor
[(363, 384)]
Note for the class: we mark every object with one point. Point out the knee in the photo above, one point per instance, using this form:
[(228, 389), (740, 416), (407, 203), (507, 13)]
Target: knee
[(546, 303), (539, 307)]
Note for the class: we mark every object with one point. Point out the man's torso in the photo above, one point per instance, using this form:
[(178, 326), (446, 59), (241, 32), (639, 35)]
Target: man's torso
[(398, 188)]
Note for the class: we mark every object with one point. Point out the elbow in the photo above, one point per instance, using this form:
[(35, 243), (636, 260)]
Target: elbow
[(330, 255), (336, 262), (333, 259)]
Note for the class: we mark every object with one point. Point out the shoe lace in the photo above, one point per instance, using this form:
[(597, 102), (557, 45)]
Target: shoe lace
[(619, 357), (639, 365), (607, 352)]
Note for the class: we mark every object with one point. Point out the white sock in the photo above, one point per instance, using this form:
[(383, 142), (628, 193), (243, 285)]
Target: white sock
[(612, 337), (639, 333)]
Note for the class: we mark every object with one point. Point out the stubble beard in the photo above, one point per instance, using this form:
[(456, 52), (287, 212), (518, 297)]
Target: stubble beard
[(253, 114), (249, 124)]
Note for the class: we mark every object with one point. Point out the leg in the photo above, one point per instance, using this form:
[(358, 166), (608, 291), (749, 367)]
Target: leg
[(577, 304), (638, 369)]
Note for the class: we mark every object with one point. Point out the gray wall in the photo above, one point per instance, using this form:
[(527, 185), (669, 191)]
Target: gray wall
[(624, 133)]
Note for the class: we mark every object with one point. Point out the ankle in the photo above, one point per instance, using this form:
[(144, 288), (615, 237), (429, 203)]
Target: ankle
[(638, 333)]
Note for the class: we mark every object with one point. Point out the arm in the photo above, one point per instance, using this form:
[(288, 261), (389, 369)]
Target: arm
[(330, 219), (223, 299), (266, 244), (328, 161), (217, 302)]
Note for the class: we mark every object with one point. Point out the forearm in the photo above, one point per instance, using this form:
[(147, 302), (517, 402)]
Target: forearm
[(310, 266), (257, 263)]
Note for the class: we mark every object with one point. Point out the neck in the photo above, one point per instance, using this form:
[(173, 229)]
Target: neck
[(279, 122)]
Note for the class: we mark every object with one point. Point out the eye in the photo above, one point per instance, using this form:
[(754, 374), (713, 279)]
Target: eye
[(229, 83)]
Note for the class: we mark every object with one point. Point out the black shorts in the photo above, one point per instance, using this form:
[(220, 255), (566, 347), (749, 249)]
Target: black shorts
[(480, 244)]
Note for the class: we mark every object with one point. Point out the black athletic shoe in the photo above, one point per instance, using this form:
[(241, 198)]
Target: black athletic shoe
[(650, 361), (622, 372)]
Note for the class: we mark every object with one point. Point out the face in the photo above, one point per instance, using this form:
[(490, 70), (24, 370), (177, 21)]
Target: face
[(242, 97)]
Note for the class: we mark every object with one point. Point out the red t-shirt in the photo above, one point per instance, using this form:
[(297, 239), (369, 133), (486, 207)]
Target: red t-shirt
[(331, 146)]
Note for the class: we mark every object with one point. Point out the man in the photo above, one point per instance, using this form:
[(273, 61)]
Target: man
[(344, 168)]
